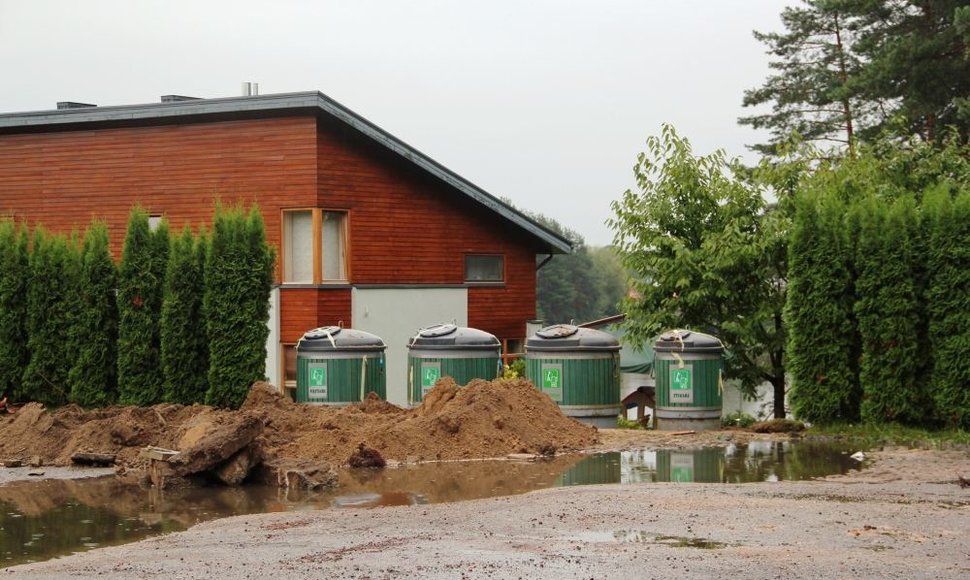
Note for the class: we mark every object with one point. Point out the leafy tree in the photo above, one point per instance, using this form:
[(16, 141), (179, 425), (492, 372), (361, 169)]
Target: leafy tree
[(819, 316), (14, 273), (93, 377), (810, 89), (238, 282), (887, 310), (184, 342), (50, 319), (140, 282), (705, 252), (948, 299), (612, 279)]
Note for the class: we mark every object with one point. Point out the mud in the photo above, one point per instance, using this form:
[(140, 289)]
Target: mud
[(483, 419)]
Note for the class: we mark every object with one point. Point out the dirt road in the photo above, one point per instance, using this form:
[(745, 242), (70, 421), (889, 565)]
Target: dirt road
[(904, 517)]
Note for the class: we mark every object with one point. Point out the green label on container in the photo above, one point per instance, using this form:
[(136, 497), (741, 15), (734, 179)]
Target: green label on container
[(430, 373), (682, 467), (552, 381), (682, 385), (317, 383)]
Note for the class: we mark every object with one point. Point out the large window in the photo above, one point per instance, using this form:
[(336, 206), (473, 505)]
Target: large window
[(314, 246), (484, 268)]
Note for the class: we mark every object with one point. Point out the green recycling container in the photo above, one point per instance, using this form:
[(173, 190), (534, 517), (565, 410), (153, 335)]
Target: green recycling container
[(442, 350), (689, 386), (579, 368), (339, 366)]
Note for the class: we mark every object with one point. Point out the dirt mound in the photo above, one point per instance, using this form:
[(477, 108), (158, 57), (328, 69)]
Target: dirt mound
[(483, 419)]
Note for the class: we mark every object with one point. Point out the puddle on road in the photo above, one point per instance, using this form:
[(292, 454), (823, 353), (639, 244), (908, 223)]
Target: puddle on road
[(645, 537), (45, 519)]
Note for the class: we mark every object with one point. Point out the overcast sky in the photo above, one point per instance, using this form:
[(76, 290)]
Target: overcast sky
[(546, 103)]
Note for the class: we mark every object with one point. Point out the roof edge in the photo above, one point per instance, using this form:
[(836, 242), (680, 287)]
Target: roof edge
[(315, 100)]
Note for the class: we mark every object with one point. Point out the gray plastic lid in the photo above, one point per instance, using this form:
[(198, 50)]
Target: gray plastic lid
[(335, 338), (567, 337), (681, 340), (452, 337)]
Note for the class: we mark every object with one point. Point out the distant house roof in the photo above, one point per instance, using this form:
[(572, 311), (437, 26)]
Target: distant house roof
[(80, 116)]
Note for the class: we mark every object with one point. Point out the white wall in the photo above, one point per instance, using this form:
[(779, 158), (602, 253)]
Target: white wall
[(273, 367), (395, 314)]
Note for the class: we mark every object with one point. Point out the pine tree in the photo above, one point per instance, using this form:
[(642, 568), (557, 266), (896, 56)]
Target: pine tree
[(238, 280), (50, 319), (887, 309), (819, 314), (811, 91), (185, 348), (916, 65), (93, 377), (948, 299), (14, 274), (140, 283)]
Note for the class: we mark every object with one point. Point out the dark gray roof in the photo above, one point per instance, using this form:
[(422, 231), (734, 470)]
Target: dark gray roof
[(235, 107)]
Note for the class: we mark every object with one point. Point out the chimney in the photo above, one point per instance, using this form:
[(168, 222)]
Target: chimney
[(177, 98), (250, 89), (73, 105)]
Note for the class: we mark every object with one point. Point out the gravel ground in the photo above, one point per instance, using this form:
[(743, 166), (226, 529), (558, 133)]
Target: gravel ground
[(904, 517)]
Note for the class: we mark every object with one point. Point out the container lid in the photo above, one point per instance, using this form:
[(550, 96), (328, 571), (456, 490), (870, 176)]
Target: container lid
[(335, 338), (452, 337), (681, 340), (567, 337)]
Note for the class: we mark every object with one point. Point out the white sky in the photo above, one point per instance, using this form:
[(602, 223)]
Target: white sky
[(544, 102)]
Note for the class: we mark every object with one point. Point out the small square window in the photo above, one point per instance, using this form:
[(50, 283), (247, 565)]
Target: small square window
[(484, 268)]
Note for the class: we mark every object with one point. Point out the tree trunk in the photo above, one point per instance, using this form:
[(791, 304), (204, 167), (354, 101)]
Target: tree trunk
[(778, 382)]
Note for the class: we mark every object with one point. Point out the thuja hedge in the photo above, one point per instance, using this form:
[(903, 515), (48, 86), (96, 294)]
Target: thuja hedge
[(184, 342), (74, 328), (238, 281), (14, 272), (879, 299), (140, 279)]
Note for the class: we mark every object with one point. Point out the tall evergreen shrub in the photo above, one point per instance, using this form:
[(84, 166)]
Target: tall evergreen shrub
[(948, 303), (824, 386), (887, 309), (185, 344), (238, 280), (14, 273), (93, 377), (140, 284), (51, 292)]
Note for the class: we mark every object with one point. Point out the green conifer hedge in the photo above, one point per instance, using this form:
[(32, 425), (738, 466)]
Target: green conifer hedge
[(14, 272), (93, 378), (185, 343)]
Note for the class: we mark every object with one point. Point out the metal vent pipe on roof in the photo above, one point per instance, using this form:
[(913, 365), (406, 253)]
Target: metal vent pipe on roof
[(250, 89)]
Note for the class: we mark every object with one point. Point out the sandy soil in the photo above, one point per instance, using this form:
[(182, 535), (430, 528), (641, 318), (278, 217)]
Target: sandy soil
[(903, 517)]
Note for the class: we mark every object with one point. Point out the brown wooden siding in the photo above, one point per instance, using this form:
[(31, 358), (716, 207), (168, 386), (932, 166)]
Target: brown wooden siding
[(407, 228), (63, 179)]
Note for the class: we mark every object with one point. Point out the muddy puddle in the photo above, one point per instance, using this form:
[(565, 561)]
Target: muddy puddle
[(45, 519)]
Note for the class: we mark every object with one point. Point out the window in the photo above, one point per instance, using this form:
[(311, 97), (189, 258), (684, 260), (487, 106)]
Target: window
[(154, 222), (484, 268), (314, 246)]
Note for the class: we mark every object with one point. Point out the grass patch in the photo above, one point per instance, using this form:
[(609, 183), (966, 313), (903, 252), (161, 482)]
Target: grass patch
[(891, 434)]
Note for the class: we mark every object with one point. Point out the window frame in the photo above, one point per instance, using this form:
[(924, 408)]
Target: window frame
[(316, 214), (497, 281)]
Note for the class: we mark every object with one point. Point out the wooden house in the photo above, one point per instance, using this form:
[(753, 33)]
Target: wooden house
[(371, 233)]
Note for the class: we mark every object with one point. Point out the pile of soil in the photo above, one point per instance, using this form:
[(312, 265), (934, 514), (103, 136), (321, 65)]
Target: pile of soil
[(483, 419)]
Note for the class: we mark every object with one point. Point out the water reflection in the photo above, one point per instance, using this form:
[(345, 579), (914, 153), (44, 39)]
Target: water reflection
[(45, 519), (758, 461)]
